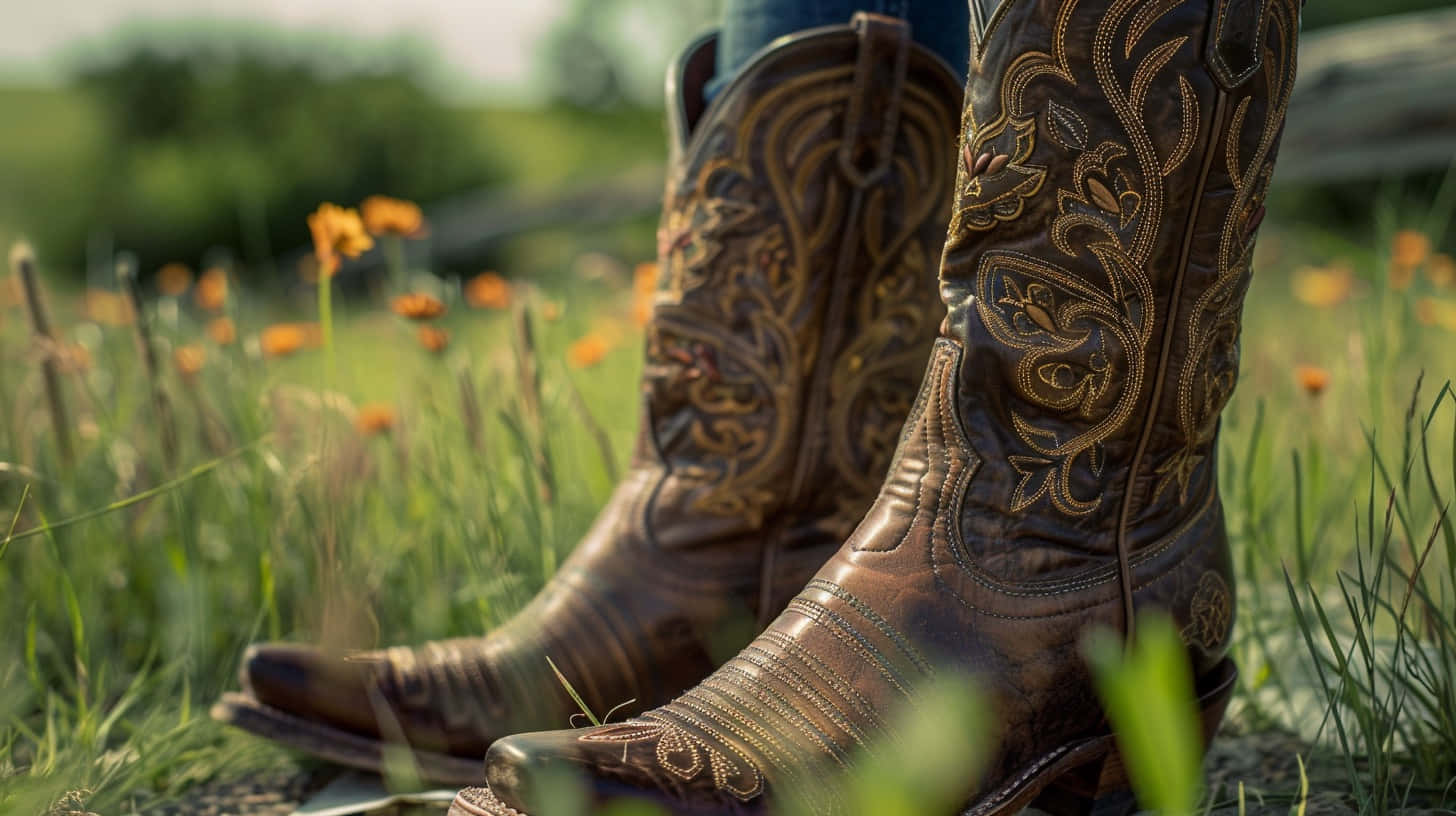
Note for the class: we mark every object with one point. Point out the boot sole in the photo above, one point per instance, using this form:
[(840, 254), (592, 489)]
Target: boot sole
[(338, 746), (1084, 778), (1089, 777)]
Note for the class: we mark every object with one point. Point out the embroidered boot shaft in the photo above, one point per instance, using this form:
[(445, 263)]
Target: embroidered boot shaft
[(804, 216), (1056, 473)]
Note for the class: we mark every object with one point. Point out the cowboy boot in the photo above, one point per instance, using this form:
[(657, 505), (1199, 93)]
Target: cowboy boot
[(1057, 472), (804, 215)]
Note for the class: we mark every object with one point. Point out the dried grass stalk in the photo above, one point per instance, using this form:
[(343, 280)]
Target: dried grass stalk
[(470, 410), (528, 372), (22, 262), (593, 427), (161, 404)]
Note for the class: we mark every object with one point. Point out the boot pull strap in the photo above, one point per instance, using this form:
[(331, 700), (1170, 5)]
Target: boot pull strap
[(874, 102), (1235, 45)]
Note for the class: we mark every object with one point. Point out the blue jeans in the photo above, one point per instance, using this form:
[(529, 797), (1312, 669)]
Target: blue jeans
[(943, 26)]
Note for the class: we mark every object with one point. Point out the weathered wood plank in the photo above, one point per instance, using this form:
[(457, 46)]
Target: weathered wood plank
[(1373, 99)]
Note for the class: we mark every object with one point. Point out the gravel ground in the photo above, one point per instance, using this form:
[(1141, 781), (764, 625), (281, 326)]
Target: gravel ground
[(1265, 763), (1268, 767), (275, 793)]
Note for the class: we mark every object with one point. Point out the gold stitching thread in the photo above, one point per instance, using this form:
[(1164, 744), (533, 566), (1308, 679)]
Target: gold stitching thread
[(743, 430), (732, 682), (1053, 358), (1210, 611), (1224, 298), (777, 667), (1188, 128)]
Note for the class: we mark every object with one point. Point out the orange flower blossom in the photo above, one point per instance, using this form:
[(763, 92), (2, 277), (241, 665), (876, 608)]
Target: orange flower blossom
[(337, 232), (392, 216), (417, 306)]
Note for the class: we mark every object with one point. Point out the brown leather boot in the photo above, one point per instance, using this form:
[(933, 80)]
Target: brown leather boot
[(804, 216), (1057, 471)]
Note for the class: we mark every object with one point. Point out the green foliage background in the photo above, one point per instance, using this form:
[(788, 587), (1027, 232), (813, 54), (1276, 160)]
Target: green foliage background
[(173, 141), (222, 142)]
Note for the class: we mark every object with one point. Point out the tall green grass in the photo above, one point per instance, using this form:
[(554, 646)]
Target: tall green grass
[(122, 618)]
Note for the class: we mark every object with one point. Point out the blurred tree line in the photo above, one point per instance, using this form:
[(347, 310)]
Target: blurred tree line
[(224, 137), (613, 52)]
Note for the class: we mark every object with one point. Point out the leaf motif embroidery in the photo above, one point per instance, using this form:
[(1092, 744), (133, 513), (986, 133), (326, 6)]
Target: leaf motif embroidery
[(1103, 197), (1066, 126), (685, 755), (1209, 611), (1001, 192)]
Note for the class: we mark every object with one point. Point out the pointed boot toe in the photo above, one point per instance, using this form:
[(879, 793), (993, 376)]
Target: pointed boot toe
[(644, 760), (345, 707), (522, 768), (328, 687)]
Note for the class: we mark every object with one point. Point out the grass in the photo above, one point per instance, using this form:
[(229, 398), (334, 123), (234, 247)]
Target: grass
[(308, 529), (124, 617)]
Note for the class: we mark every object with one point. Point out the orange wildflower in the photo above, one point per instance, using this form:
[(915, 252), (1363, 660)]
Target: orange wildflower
[(337, 232), (392, 216), (283, 339), (1313, 379), (1441, 270), (488, 291), (551, 311), (374, 418), (588, 351), (189, 360), (1323, 287), (434, 339), (108, 308), (1434, 312), (222, 331), (1409, 249), (644, 292), (417, 306), (173, 279), (211, 293)]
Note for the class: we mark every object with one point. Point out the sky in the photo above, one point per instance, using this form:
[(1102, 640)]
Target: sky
[(488, 41)]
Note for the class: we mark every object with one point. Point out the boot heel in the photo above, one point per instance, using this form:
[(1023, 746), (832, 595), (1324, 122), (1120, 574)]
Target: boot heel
[(1121, 803), (1101, 787)]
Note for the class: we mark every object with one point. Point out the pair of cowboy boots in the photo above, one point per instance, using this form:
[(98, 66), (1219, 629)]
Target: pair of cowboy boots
[(1056, 472)]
